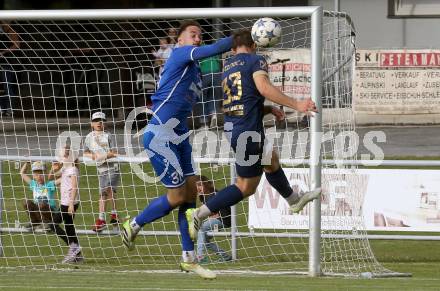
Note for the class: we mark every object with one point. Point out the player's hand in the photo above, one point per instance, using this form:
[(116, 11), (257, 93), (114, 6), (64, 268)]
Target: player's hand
[(306, 106), (278, 113), (71, 208)]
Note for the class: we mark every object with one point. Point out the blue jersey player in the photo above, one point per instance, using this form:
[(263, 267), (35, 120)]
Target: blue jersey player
[(166, 139), (246, 85)]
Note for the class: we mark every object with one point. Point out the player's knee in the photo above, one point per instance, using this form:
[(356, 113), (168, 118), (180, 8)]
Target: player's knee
[(177, 200), (246, 187), (176, 196)]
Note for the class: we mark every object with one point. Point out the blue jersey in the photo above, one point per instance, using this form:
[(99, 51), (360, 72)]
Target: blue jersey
[(180, 85), (243, 105)]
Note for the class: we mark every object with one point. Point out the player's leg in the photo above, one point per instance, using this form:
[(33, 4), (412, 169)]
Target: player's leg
[(278, 180), (227, 197), (249, 176), (188, 254), (189, 262), (158, 208), (162, 205)]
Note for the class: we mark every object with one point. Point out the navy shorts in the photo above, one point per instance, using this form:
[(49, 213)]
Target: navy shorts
[(248, 154), (172, 163)]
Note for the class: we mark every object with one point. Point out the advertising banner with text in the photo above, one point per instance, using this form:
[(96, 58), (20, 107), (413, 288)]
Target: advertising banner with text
[(397, 200), (397, 81), (289, 71)]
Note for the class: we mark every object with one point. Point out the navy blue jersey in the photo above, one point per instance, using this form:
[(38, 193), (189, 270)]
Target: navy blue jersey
[(180, 84), (243, 105)]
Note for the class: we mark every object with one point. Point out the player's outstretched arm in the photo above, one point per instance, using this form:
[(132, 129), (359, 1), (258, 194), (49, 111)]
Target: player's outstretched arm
[(270, 92), (205, 51)]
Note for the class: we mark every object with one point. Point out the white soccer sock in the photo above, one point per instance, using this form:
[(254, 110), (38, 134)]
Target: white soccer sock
[(188, 256), (102, 215), (203, 212), (136, 227)]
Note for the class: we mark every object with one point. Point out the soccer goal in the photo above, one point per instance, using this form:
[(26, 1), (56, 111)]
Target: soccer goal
[(72, 63)]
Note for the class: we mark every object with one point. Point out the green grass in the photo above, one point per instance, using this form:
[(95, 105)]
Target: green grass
[(426, 276), (31, 252)]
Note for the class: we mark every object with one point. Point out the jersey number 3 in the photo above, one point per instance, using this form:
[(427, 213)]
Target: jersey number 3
[(234, 85)]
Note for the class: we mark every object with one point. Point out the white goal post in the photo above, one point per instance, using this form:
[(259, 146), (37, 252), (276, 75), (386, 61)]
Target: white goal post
[(121, 39)]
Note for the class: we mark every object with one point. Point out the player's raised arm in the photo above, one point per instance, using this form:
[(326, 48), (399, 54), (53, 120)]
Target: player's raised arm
[(189, 44), (270, 92), (205, 51)]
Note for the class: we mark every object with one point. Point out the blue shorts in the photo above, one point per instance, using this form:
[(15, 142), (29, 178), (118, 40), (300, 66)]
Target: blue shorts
[(168, 158), (253, 167)]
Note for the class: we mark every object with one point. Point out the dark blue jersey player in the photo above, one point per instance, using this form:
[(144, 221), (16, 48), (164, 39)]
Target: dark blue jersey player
[(166, 138), (246, 85)]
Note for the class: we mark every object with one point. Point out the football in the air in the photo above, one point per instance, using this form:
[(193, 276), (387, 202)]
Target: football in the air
[(266, 32)]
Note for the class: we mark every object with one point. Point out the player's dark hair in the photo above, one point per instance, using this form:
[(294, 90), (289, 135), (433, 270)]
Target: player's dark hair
[(242, 37), (184, 25)]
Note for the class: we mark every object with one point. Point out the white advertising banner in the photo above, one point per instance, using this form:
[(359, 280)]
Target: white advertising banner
[(297, 69), (398, 200), (397, 81)]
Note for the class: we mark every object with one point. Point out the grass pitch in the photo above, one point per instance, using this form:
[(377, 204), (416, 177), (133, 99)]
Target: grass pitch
[(421, 258)]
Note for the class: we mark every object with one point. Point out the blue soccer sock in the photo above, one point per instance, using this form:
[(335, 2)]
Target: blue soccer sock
[(227, 197), (279, 181), (158, 208), (187, 243)]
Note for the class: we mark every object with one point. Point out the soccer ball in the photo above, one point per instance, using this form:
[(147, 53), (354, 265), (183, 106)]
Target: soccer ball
[(266, 32)]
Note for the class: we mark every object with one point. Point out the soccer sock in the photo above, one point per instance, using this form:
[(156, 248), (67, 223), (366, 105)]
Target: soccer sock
[(227, 197), (187, 243), (158, 208), (188, 256), (114, 213), (203, 211), (279, 181), (102, 215)]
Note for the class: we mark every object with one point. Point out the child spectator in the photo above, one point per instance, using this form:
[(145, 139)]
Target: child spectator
[(215, 222), (99, 146), (42, 208), (69, 182), (163, 53), (172, 35)]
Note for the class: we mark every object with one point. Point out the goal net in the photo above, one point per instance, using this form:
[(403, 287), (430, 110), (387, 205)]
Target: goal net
[(65, 70)]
